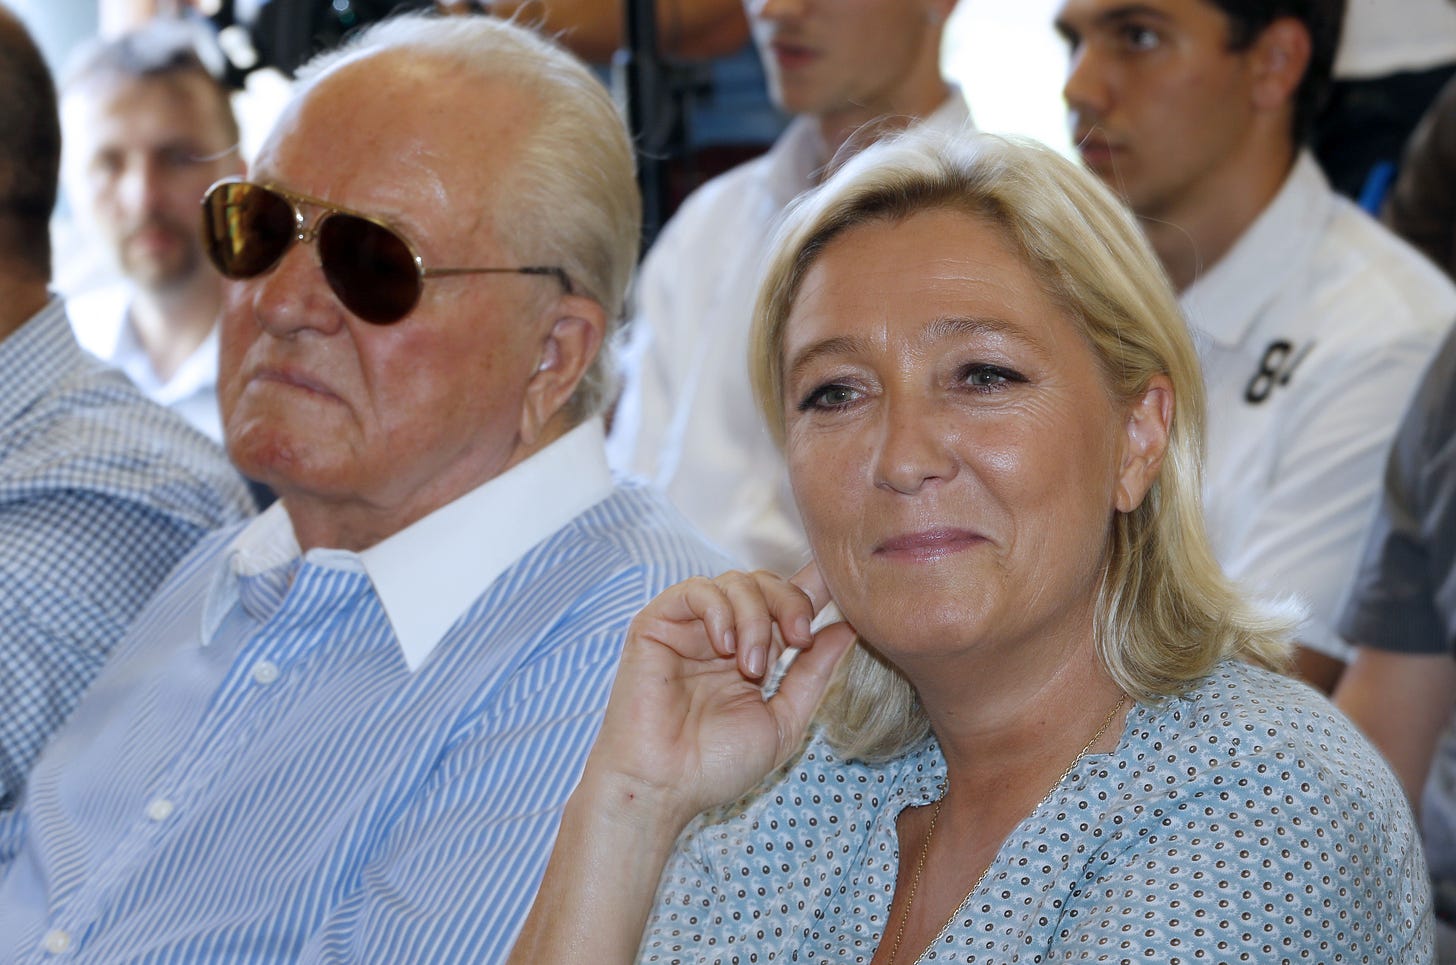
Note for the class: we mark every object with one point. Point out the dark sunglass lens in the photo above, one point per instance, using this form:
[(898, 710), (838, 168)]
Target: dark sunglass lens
[(246, 228), (369, 267)]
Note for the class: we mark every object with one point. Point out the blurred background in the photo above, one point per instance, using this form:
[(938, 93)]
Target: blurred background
[(1003, 53)]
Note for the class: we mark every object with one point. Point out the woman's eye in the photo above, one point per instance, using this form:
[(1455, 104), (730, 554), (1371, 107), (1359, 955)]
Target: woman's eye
[(831, 396), (981, 376)]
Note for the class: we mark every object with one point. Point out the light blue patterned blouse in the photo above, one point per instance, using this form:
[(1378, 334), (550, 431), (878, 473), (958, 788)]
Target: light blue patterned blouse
[(1245, 821)]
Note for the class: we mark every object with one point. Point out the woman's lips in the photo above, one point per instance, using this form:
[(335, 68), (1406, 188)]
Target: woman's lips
[(928, 544)]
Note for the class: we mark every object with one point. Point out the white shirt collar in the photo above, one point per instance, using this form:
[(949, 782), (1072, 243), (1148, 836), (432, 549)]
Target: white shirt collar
[(429, 573), (1226, 299)]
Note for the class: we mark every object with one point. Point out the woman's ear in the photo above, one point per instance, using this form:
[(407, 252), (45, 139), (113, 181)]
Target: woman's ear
[(1149, 421), (574, 336)]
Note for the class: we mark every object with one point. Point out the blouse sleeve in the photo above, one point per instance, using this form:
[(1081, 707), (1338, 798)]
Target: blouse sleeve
[(1263, 864), (687, 922)]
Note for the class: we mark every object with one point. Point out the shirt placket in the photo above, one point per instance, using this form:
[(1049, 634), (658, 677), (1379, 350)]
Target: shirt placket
[(240, 708)]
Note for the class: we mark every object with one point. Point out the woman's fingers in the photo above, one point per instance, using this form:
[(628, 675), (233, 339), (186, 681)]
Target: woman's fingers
[(752, 616), (752, 620), (693, 618), (788, 612), (804, 683), (734, 614), (695, 712), (811, 582)]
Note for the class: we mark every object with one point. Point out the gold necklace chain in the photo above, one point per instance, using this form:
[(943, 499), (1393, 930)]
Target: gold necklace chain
[(930, 832)]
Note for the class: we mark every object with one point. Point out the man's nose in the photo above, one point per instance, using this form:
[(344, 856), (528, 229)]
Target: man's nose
[(142, 184), (293, 296), (1087, 90), (776, 9)]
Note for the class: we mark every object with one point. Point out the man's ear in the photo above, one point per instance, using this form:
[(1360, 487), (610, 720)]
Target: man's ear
[(574, 333), (1149, 421), (1279, 58)]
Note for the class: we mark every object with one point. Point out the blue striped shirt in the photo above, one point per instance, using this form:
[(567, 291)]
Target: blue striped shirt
[(101, 493), (297, 785)]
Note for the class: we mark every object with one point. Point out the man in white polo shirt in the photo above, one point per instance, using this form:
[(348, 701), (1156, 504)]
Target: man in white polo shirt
[(1313, 321)]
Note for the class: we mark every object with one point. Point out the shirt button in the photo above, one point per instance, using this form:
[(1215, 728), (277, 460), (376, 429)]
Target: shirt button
[(56, 942), (265, 672), (160, 809)]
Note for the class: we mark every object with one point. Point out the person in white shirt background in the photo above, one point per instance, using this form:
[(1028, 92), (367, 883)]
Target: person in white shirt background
[(147, 129), (686, 420), (1313, 322)]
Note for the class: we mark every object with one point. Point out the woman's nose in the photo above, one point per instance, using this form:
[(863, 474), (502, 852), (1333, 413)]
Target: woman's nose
[(914, 448)]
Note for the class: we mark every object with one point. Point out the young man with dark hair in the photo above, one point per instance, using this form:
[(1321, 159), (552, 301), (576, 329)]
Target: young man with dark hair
[(1313, 321)]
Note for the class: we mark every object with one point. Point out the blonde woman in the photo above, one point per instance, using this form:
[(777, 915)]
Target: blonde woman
[(1058, 734)]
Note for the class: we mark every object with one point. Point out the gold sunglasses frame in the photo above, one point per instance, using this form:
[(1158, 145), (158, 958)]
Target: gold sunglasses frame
[(306, 231)]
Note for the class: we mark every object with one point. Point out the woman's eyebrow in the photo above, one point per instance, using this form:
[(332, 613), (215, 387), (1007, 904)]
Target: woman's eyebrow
[(836, 345), (939, 329), (984, 326)]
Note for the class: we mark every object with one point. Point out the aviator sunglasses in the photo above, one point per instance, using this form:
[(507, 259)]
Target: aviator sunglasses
[(373, 269)]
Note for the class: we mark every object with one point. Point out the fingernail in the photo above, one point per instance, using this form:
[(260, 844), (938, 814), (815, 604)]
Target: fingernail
[(755, 661), (730, 641), (801, 628)]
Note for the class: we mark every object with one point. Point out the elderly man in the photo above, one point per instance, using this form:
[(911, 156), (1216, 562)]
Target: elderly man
[(1314, 322), (147, 129), (101, 490), (347, 730), (687, 421)]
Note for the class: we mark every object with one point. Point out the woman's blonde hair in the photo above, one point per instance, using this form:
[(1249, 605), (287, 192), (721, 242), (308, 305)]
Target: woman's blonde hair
[(1166, 614)]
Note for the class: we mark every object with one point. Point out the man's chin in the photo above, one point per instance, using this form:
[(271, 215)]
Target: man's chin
[(273, 451)]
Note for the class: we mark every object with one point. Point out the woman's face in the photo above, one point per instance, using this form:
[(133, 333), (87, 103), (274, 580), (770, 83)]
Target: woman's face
[(953, 450)]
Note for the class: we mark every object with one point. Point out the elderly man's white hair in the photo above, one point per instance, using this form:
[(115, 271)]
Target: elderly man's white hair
[(572, 199)]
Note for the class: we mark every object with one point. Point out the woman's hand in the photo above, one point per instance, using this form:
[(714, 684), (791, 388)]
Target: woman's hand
[(687, 728), (688, 725)]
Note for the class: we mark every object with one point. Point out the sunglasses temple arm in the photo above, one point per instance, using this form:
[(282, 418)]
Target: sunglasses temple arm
[(558, 273)]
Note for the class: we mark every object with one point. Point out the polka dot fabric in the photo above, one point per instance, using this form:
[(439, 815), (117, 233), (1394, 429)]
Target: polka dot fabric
[(1244, 822)]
